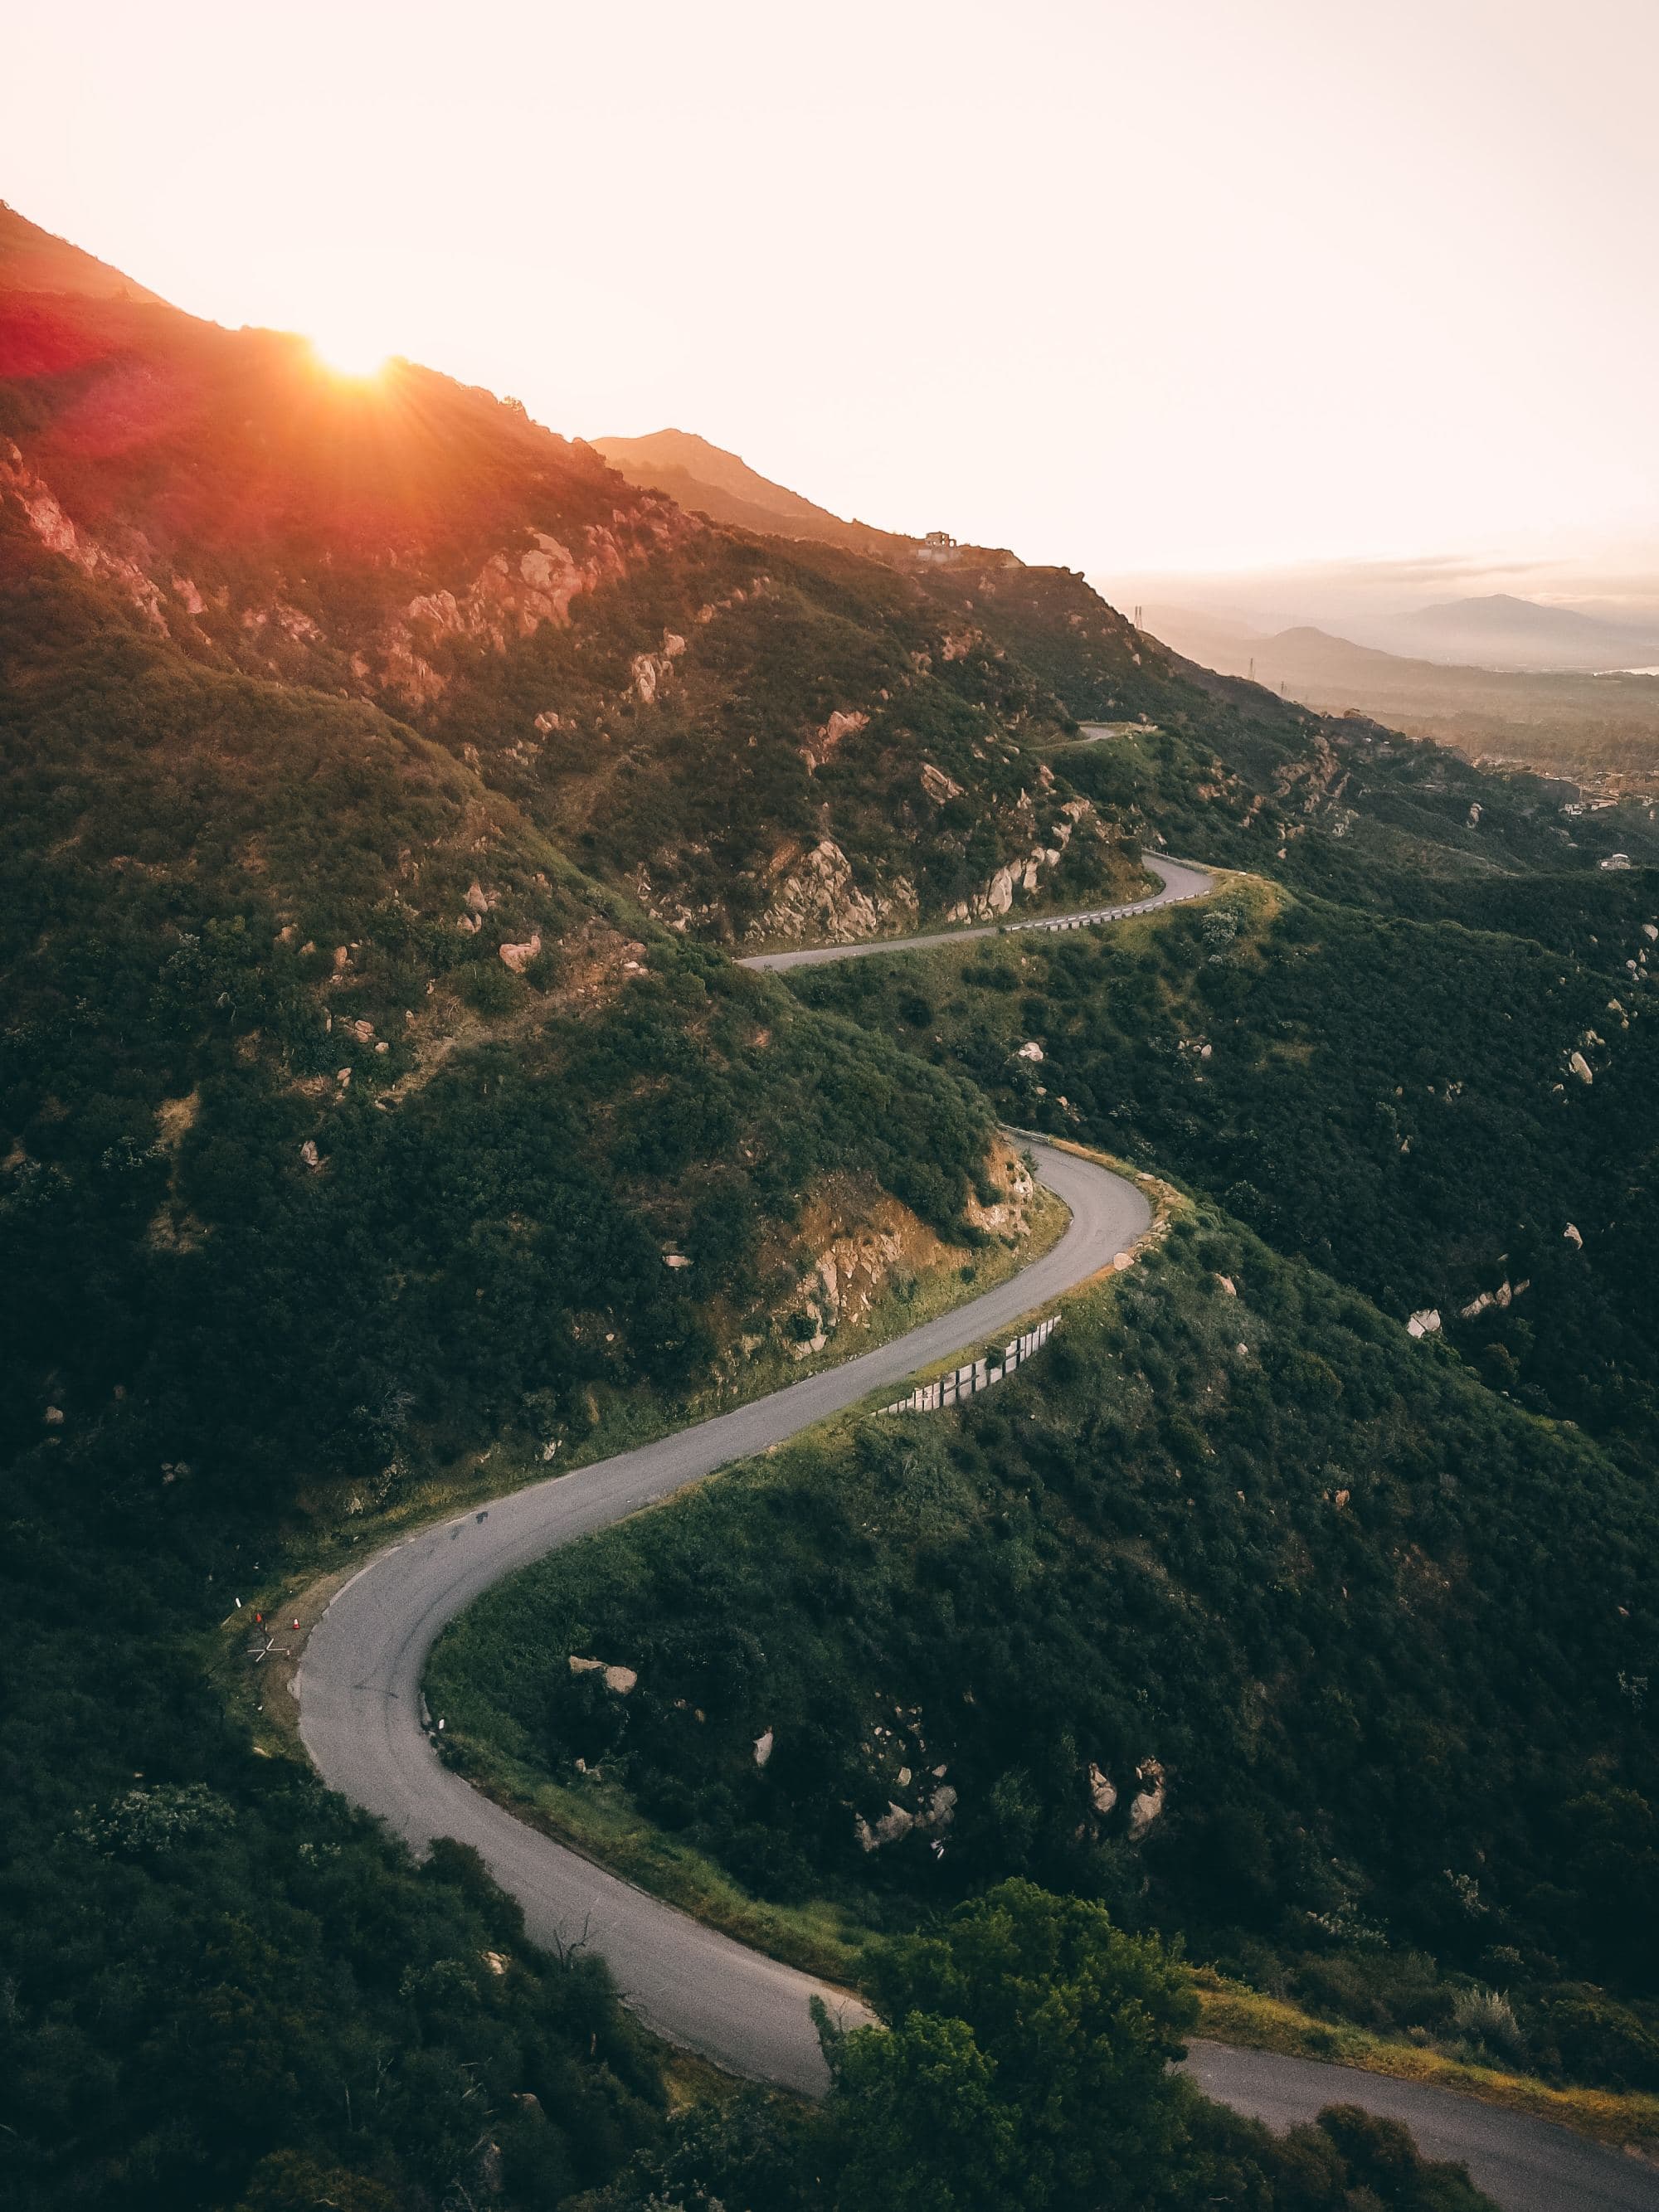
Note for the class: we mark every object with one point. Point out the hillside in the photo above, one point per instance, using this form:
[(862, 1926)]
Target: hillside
[(1503, 631), (736, 738), (385, 784), (1229, 769), (1233, 1614), (1424, 1106), (355, 1136), (711, 481), (35, 260), (1602, 730)]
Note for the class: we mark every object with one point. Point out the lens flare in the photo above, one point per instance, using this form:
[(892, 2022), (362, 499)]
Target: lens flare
[(350, 354)]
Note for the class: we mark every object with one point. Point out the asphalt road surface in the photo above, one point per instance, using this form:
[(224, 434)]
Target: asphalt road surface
[(362, 1721), (1179, 878), (1524, 2165), (359, 1685)]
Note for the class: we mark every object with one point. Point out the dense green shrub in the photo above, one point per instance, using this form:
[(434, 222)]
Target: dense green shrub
[(1371, 1623)]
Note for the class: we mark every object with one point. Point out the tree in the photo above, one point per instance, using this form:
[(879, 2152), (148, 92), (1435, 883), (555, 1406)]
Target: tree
[(1026, 2064)]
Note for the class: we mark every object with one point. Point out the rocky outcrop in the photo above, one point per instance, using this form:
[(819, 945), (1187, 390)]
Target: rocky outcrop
[(1147, 1803), (1102, 1790), (814, 894), (518, 590), (650, 671), (1024, 877), (46, 519), (619, 1680), (938, 786), (934, 1817), (823, 742), (859, 1242), (518, 958)]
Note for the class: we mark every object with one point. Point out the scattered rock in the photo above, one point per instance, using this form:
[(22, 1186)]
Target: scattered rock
[(1030, 1050), (650, 671), (764, 1743), (309, 1154), (518, 958), (1423, 1323), (1502, 1297), (621, 1680), (823, 742), (1148, 1801), (938, 786), (1102, 1790), (1573, 1236)]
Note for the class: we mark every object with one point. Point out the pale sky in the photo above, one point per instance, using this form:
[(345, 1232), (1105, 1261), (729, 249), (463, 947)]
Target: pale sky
[(1175, 285)]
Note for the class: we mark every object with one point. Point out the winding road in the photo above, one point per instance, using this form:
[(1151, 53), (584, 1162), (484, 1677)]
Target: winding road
[(1178, 880), (359, 1684), (362, 1721)]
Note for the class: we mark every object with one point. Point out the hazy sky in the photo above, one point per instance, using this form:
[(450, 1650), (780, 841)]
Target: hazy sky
[(1181, 284)]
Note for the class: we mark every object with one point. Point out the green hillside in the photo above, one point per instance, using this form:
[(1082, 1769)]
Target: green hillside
[(1425, 1108), (384, 786), (1243, 1615)]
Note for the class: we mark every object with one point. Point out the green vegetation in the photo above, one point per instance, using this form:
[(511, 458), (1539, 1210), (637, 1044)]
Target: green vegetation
[(707, 794), (1246, 1560), (222, 1987), (357, 1109), (224, 963), (1025, 2064), (1394, 1099), (223, 897), (1230, 2011)]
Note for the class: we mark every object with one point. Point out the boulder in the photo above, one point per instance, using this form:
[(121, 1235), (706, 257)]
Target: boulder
[(1147, 1803), (1102, 1790), (621, 1680), (518, 958)]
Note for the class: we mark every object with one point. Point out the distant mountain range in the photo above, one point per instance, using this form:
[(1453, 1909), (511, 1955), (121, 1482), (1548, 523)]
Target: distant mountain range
[(1497, 634), (1562, 720), (1502, 631)]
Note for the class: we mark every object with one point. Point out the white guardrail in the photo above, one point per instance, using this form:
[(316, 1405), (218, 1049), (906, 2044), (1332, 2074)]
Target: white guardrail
[(978, 1375)]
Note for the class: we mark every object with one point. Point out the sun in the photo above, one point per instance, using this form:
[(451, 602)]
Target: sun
[(350, 354)]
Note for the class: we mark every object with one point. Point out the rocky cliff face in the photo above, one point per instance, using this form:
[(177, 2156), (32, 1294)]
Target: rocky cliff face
[(815, 900)]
